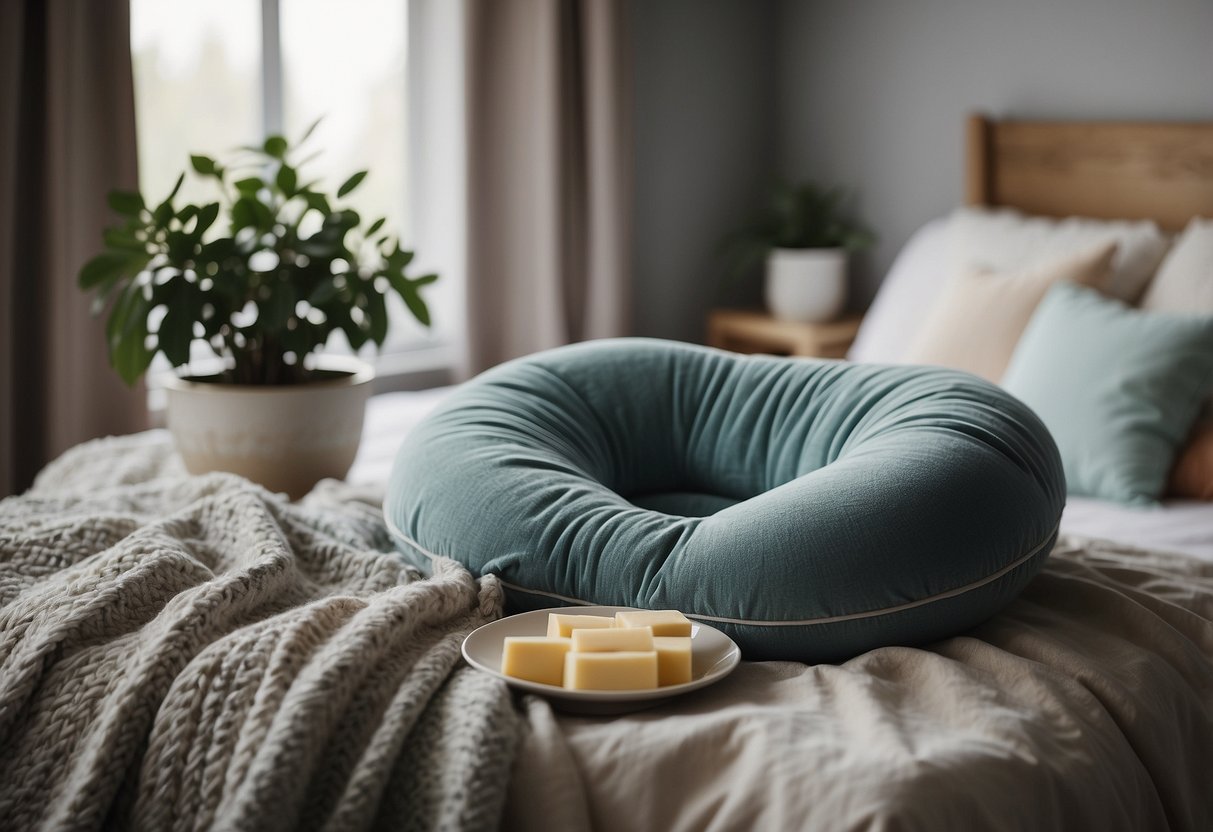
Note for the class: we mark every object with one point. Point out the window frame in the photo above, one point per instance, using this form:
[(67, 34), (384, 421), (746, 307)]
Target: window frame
[(419, 366)]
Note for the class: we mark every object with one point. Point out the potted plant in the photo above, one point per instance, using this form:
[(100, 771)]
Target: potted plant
[(258, 279), (803, 237)]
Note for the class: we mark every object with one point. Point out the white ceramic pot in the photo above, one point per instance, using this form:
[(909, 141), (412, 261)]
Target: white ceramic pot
[(286, 438), (806, 284)]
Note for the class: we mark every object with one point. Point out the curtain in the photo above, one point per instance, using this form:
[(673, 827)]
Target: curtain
[(67, 137), (547, 175)]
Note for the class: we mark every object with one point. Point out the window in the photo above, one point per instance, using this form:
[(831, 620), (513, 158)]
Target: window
[(212, 76)]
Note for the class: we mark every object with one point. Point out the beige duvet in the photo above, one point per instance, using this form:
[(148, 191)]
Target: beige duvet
[(1086, 705)]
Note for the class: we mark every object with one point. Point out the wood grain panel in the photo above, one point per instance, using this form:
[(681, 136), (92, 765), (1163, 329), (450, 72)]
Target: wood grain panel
[(1132, 170)]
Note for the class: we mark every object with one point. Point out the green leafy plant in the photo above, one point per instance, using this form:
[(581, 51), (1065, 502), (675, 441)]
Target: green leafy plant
[(263, 275), (798, 216)]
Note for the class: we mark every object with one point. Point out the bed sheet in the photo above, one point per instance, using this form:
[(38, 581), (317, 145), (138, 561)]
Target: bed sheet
[(1184, 526), (1087, 704)]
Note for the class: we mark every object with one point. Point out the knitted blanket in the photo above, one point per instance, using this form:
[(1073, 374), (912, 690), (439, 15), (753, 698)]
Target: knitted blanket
[(190, 653)]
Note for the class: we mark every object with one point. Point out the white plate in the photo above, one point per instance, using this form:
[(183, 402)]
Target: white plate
[(713, 656)]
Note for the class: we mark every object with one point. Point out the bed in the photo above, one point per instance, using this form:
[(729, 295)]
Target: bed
[(1055, 714), (197, 653)]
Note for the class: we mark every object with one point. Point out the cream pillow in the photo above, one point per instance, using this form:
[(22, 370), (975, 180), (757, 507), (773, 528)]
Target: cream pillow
[(977, 320)]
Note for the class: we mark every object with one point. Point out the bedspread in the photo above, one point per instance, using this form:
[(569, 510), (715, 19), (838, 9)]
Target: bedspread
[(1085, 704), (185, 653)]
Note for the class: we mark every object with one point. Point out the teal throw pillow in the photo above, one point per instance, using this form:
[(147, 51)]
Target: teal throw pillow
[(1117, 387)]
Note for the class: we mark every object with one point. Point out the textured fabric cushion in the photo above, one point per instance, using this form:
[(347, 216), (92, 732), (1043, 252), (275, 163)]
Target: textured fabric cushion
[(1005, 240), (1119, 388), (976, 323), (913, 283), (813, 509)]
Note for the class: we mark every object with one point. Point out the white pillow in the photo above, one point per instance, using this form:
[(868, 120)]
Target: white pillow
[(997, 240), (1003, 240), (908, 292), (1185, 279)]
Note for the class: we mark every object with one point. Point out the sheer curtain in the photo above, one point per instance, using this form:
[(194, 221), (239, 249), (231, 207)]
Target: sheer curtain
[(548, 168), (67, 136)]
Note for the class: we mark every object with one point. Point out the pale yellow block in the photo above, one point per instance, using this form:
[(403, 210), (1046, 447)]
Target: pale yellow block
[(663, 622), (673, 660), (562, 626), (535, 658), (614, 640), (610, 671)]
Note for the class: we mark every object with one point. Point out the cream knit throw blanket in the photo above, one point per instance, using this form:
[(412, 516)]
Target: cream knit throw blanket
[(196, 653)]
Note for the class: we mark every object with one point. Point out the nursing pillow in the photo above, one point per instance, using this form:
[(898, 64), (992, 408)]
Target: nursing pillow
[(812, 510)]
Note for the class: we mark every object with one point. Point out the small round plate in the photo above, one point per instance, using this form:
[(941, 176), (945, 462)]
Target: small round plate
[(713, 656)]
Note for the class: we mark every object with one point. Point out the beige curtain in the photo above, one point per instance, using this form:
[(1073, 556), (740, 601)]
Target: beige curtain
[(67, 136), (548, 172)]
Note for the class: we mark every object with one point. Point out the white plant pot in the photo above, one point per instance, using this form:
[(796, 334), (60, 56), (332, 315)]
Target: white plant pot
[(806, 284), (286, 438)]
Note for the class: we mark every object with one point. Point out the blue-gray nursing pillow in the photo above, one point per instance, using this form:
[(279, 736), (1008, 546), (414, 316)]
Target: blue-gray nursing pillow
[(811, 509)]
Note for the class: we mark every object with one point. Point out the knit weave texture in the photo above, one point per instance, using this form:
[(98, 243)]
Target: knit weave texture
[(197, 653)]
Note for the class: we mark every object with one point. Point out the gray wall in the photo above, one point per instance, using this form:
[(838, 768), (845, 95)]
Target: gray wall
[(873, 93), (704, 128)]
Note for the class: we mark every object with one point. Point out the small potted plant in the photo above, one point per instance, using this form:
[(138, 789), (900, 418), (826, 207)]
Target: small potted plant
[(261, 277), (803, 237)]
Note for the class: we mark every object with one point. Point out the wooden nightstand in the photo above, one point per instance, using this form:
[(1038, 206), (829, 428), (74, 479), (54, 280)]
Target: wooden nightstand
[(751, 331)]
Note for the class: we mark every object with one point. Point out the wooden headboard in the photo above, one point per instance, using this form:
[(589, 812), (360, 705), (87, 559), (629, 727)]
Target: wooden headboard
[(1161, 171)]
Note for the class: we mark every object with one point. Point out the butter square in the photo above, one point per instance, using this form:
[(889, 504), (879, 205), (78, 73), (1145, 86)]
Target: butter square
[(610, 671), (561, 625), (613, 640), (663, 622), (673, 660), (535, 658)]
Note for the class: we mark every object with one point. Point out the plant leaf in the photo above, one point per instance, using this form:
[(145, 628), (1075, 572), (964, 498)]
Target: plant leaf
[(204, 165), (351, 183), (375, 226), (249, 185), (206, 218), (126, 203), (109, 266), (275, 310), (318, 202), (307, 134), (116, 322), (275, 146), (243, 214), (180, 245), (177, 327), (131, 357), (376, 311), (417, 306), (122, 238), (264, 216), (407, 289), (322, 294), (128, 342), (162, 214), (176, 187), (287, 180)]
